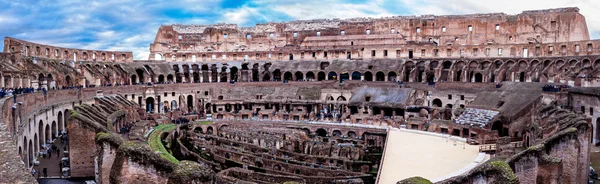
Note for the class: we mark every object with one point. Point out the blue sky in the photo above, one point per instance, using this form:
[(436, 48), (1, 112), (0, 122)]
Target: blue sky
[(131, 25)]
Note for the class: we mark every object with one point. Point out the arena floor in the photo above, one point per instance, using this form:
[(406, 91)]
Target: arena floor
[(434, 157)]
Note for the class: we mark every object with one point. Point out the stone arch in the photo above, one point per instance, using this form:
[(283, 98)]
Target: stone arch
[(332, 76), (310, 76), (287, 76), (233, 73), (299, 76), (368, 76), (379, 76), (321, 132), (351, 134), (392, 76), (341, 98), (161, 79), (47, 133), (61, 121), (54, 130), (134, 79), (356, 75), (344, 76), (485, 65), (336, 133), (321, 76), (478, 77), (170, 78), (573, 63), (198, 129), (437, 102), (277, 75), (36, 142), (190, 103), (150, 104), (597, 64), (209, 130), (30, 154), (498, 126)]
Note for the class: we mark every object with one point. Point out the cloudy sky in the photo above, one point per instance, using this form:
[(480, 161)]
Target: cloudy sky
[(131, 25)]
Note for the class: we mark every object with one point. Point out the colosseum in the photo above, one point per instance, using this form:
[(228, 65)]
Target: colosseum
[(479, 98)]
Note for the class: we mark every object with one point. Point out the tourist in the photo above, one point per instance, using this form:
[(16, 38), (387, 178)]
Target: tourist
[(33, 172)]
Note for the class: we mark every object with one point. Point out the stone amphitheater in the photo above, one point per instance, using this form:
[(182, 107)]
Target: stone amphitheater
[(482, 98)]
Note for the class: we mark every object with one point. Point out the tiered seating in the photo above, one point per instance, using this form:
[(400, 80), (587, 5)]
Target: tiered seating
[(476, 117)]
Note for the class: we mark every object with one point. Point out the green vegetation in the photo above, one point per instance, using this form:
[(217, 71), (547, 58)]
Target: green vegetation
[(414, 180), (154, 140), (203, 123)]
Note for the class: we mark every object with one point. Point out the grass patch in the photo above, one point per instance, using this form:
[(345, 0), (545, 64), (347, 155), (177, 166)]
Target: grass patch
[(156, 144), (203, 122)]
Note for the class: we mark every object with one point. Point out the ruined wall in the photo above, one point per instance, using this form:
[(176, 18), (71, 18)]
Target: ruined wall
[(332, 38), (30, 49), (81, 156)]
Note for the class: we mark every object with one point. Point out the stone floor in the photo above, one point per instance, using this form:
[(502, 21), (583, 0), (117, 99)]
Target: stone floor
[(51, 163)]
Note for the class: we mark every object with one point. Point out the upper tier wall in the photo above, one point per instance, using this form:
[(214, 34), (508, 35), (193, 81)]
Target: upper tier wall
[(539, 26), (25, 48)]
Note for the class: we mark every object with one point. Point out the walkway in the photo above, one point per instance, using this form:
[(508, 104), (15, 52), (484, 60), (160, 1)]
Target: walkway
[(51, 163)]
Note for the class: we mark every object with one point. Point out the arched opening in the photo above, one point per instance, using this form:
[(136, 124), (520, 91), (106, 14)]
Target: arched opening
[(287, 76), (299, 76), (196, 77), (42, 139), (437, 102), (30, 153), (277, 75), (497, 126), (140, 73), (150, 104), (61, 122), (209, 130), (336, 133), (174, 105), (161, 79), (392, 76), (321, 132), (54, 130), (257, 163), (233, 74), (356, 75), (158, 56), (36, 143), (178, 78), (134, 79), (368, 76), (341, 98), (351, 134), (190, 103), (522, 77), (291, 56), (379, 76), (170, 78), (478, 77), (68, 81), (332, 76), (310, 76), (47, 133), (320, 76), (344, 76)]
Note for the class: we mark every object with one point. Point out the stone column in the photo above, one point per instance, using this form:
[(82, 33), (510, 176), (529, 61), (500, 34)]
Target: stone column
[(210, 77), (201, 77)]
